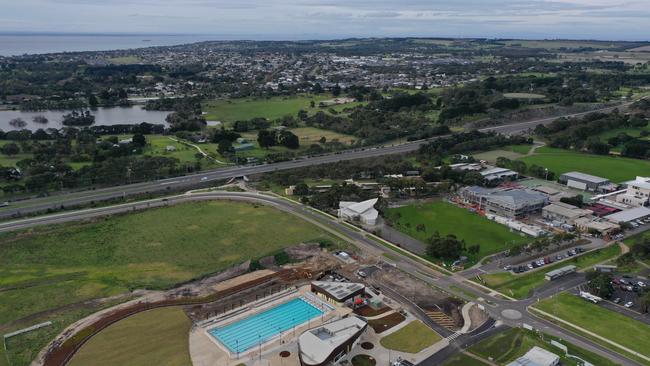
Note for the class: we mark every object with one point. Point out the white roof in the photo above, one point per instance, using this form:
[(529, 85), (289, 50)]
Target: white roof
[(629, 215), (358, 207), (318, 343), (537, 356), (566, 210), (586, 177), (641, 182)]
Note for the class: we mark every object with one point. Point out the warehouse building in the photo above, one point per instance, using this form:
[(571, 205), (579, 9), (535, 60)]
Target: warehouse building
[(564, 213), (586, 182), (633, 214), (499, 174), (509, 203)]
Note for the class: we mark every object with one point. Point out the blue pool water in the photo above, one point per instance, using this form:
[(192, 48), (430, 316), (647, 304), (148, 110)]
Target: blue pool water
[(255, 329)]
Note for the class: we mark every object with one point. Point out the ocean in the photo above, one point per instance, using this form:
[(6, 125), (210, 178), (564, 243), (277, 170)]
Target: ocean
[(12, 45)]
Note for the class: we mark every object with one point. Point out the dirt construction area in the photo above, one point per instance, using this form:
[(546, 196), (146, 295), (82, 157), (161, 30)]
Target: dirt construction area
[(425, 296)]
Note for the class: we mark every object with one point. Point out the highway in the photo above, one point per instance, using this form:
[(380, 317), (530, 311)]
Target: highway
[(498, 308), (78, 198)]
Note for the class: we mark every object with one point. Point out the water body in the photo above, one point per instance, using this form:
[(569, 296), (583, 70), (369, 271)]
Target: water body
[(13, 45), (103, 117)]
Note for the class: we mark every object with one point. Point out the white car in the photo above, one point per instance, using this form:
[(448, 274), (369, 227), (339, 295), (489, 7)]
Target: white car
[(629, 304), (641, 284)]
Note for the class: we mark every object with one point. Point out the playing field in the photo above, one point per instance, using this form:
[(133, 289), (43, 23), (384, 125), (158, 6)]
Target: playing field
[(618, 328), (49, 267), (519, 286), (231, 110), (154, 337), (449, 219), (412, 338), (560, 161)]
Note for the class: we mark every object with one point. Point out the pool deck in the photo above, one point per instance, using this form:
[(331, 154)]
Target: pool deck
[(206, 350)]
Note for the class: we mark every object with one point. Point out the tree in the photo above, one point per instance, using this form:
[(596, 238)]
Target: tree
[(139, 140), (576, 200), (474, 249), (289, 140), (301, 189), (266, 138), (601, 284), (225, 147), (10, 149), (448, 247), (92, 101), (336, 90), (18, 122), (645, 302)]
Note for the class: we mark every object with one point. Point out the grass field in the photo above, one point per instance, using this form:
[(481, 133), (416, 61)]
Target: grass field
[(560, 161), (511, 152), (507, 346), (154, 337), (519, 286), (47, 272), (53, 266), (228, 111), (412, 338), (445, 218), (628, 332)]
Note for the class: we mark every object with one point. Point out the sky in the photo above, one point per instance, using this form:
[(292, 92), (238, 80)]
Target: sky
[(319, 19)]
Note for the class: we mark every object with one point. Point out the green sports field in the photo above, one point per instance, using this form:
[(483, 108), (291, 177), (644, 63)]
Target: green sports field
[(628, 332), (449, 219), (231, 110), (154, 337), (617, 169)]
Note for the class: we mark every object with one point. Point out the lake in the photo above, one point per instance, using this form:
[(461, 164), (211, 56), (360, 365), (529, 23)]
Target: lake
[(103, 117)]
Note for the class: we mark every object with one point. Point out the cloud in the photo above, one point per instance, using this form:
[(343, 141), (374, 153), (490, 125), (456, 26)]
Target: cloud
[(619, 19)]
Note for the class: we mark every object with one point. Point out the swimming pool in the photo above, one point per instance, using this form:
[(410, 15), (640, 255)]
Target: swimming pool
[(258, 328)]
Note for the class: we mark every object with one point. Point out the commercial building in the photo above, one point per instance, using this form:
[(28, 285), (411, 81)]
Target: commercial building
[(337, 291), (509, 203), (564, 213), (537, 356), (637, 192), (633, 214), (560, 272), (363, 212), (499, 174), (330, 342), (586, 182), (601, 226)]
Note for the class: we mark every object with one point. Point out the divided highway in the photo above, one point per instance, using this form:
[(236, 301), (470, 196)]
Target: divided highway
[(35, 205)]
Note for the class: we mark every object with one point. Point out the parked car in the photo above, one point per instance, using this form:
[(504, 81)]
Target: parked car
[(507, 268), (559, 257), (617, 300), (530, 266), (641, 284), (629, 304)]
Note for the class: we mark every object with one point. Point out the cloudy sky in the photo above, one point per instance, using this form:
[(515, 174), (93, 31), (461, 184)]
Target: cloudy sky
[(300, 19)]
